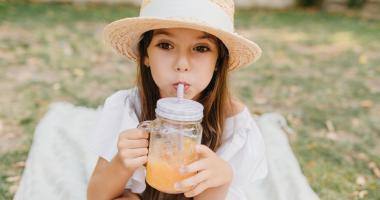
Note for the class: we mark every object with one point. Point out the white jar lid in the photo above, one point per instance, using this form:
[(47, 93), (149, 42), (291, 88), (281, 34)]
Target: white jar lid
[(179, 109)]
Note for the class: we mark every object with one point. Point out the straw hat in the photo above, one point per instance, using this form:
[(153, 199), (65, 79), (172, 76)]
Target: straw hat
[(212, 16)]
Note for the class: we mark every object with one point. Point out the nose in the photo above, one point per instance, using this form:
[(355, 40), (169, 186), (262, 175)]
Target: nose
[(182, 69), (182, 64)]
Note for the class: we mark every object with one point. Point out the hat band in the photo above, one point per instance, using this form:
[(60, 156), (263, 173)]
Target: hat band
[(201, 10)]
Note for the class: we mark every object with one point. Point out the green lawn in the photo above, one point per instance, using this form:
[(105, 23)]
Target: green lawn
[(321, 71)]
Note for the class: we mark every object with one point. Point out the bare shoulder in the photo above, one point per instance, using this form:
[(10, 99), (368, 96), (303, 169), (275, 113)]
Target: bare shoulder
[(236, 107)]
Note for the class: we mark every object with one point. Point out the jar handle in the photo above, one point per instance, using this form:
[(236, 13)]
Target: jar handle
[(146, 126)]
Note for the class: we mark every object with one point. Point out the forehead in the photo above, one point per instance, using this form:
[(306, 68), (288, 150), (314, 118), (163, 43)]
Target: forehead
[(184, 33)]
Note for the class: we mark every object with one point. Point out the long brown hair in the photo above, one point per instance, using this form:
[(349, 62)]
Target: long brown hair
[(215, 98)]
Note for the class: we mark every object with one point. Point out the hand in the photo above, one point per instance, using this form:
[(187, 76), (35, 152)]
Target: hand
[(133, 148), (212, 172)]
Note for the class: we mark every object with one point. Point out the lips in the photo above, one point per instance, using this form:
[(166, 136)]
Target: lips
[(187, 86)]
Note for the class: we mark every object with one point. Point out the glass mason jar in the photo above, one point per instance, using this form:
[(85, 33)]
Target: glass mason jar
[(173, 136)]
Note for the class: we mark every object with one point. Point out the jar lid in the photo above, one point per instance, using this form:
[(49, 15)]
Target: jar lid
[(179, 109)]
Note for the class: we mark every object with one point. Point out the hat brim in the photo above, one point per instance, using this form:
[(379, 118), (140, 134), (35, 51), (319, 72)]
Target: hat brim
[(124, 35)]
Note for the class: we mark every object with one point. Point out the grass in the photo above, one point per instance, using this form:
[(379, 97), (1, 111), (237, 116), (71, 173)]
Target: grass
[(316, 69)]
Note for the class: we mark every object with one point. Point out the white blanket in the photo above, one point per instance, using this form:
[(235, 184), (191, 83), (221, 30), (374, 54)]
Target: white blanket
[(59, 164)]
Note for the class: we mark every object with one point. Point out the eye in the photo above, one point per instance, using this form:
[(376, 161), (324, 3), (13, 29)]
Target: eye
[(202, 49), (165, 45)]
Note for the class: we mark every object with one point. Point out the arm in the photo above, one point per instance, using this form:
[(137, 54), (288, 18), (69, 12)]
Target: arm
[(108, 179)]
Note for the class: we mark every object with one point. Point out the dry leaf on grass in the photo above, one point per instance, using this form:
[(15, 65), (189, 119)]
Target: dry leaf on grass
[(362, 157), (13, 179), (360, 194), (20, 164), (330, 126), (363, 59), (78, 72), (355, 122), (366, 103), (374, 168), (56, 86)]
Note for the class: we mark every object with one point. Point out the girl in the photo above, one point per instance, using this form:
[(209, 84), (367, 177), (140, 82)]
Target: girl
[(191, 42)]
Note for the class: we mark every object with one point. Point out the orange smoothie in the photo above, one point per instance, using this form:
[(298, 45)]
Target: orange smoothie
[(164, 172)]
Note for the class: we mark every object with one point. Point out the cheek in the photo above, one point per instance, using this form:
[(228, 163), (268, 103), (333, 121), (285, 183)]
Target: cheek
[(159, 58), (208, 61), (160, 76), (207, 66), (159, 63), (204, 75), (205, 80)]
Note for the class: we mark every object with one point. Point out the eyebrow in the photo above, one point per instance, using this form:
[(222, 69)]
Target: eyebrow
[(162, 32), (205, 36), (208, 36)]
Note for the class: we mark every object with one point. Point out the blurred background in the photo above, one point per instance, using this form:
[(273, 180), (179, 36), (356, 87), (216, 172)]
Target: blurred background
[(320, 69)]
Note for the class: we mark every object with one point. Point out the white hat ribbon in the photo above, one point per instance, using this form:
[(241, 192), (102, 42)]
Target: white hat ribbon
[(200, 10)]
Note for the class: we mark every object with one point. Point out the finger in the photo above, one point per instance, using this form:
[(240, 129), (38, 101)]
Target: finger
[(133, 153), (198, 189), (126, 143), (194, 180), (135, 133), (135, 162), (195, 166), (204, 151)]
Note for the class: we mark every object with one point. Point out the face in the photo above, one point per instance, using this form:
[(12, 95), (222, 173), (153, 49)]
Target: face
[(181, 56)]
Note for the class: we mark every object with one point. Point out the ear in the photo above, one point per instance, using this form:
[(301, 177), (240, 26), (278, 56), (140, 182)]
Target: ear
[(146, 61)]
